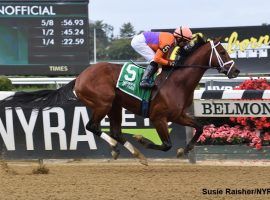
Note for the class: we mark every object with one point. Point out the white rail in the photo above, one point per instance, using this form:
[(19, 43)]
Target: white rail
[(62, 81), (40, 81)]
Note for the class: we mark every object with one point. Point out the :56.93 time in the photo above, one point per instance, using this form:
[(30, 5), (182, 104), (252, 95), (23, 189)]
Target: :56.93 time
[(72, 22), (70, 41)]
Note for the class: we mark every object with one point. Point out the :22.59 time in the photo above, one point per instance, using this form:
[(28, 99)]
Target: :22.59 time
[(70, 41)]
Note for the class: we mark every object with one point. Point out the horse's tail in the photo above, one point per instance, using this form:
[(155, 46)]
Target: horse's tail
[(42, 99)]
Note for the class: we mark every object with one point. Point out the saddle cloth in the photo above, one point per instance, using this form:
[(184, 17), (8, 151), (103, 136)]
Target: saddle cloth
[(129, 81)]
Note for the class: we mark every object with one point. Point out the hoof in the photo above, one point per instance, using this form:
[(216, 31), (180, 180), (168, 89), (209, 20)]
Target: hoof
[(138, 137), (115, 152), (141, 157), (143, 162), (180, 153), (141, 140)]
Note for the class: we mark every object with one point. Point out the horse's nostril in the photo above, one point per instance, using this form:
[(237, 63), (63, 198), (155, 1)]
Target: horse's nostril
[(235, 74)]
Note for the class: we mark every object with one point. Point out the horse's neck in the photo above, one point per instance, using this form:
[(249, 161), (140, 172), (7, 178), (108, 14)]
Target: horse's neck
[(193, 75)]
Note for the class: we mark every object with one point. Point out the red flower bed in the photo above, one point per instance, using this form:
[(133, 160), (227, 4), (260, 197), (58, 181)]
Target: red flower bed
[(230, 135), (254, 131), (254, 84), (260, 123)]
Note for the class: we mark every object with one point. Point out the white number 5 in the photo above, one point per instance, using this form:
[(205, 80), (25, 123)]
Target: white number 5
[(130, 72)]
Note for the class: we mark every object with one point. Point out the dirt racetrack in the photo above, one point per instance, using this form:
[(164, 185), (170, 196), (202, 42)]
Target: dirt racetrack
[(129, 180)]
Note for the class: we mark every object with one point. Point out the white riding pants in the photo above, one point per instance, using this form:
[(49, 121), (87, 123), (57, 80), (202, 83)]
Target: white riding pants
[(139, 45)]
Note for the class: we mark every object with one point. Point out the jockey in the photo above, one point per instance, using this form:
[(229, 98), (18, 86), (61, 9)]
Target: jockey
[(154, 47)]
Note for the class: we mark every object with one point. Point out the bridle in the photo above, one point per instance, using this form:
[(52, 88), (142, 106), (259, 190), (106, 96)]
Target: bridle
[(214, 51), (220, 61)]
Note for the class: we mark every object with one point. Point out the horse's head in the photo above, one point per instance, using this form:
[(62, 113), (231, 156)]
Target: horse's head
[(212, 54), (220, 59)]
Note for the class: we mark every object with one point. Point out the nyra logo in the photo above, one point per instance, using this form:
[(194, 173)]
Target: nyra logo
[(53, 129), (57, 127), (216, 87)]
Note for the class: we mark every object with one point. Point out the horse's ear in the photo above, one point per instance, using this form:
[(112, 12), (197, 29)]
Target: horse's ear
[(218, 39), (199, 39)]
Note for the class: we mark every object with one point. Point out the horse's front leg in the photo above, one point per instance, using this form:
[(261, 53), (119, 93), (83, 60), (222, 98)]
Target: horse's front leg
[(186, 120), (161, 126)]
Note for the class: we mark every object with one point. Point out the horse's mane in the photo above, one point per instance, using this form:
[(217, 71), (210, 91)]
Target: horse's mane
[(198, 42)]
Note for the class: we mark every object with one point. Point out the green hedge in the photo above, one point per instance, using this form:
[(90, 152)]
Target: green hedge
[(5, 84)]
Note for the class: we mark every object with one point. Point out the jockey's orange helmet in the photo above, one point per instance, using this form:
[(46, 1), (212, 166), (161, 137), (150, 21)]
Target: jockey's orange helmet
[(183, 32)]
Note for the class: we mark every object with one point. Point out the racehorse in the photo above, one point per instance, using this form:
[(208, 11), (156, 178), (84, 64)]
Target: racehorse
[(96, 88)]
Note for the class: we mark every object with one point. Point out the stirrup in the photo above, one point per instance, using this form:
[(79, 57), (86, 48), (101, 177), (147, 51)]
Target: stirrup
[(146, 84)]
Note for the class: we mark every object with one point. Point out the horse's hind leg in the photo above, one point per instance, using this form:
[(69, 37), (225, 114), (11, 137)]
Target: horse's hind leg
[(115, 116), (100, 108), (94, 126)]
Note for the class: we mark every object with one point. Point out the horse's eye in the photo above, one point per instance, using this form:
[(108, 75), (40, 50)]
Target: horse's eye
[(222, 52)]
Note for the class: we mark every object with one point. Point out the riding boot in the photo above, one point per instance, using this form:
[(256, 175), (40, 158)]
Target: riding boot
[(148, 73)]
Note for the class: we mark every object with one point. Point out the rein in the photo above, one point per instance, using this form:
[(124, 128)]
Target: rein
[(172, 70), (198, 66)]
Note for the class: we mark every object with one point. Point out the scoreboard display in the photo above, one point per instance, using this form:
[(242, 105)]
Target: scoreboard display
[(44, 37)]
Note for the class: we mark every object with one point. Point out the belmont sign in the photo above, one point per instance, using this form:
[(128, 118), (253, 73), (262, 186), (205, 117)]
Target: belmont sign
[(232, 108)]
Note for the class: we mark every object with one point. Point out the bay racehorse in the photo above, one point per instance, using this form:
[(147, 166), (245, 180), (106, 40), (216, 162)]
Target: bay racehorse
[(96, 88)]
